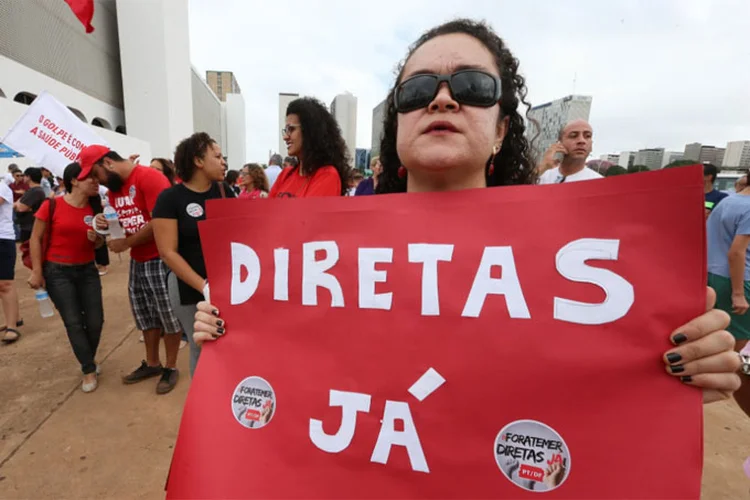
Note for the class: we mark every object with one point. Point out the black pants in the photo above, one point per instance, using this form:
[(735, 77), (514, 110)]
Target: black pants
[(76, 292), (102, 256)]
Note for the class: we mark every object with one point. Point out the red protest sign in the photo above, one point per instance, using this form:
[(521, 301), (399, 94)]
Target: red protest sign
[(492, 343)]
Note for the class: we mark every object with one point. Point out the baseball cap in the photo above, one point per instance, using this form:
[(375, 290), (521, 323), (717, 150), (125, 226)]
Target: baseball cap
[(90, 155)]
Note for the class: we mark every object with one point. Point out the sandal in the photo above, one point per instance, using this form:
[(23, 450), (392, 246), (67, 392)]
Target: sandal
[(19, 323), (10, 341)]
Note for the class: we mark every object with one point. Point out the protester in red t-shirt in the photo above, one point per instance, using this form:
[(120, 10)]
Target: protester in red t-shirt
[(67, 268), (254, 182), (313, 136), (442, 135), (133, 190)]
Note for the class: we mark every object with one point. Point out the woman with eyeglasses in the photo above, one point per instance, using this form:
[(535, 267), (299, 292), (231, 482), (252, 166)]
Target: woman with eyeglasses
[(254, 182), (452, 122), (313, 136)]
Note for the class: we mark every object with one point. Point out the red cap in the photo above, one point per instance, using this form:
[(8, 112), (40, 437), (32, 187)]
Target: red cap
[(90, 155)]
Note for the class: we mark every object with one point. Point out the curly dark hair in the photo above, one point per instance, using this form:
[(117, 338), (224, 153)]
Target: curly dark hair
[(513, 164), (258, 176), (322, 143), (188, 150)]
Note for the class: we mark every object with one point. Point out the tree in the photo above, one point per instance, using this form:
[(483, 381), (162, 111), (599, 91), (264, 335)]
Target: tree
[(615, 170), (681, 163), (638, 168)]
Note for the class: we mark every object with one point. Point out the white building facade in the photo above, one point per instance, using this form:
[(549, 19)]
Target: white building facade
[(627, 159), (344, 110), (737, 154), (551, 117), (131, 78)]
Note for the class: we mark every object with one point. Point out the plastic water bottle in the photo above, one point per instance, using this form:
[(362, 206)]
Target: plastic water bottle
[(116, 232), (45, 304)]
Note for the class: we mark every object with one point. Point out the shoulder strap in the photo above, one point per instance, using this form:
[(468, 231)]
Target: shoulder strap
[(52, 203), (222, 189)]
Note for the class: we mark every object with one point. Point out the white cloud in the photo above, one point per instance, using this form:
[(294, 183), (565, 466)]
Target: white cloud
[(662, 74)]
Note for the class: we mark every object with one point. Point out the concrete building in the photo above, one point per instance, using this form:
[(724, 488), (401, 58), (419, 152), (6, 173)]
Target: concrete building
[(551, 117), (344, 110), (704, 154), (222, 83), (651, 158), (669, 157), (612, 158), (692, 151), (627, 159), (284, 100), (378, 114), (737, 154), (135, 65)]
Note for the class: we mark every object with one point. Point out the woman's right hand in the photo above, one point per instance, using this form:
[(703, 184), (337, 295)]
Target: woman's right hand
[(208, 325), (36, 281)]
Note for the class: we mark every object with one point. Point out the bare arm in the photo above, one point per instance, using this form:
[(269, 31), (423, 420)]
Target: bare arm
[(166, 234), (20, 207), (736, 257), (144, 235), (35, 245)]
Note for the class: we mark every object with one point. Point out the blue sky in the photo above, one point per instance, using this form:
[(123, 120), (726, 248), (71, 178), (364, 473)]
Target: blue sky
[(662, 73)]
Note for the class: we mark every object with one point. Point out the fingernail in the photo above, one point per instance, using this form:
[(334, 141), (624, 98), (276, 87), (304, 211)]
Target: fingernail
[(687, 379), (677, 368), (679, 338), (673, 358), (215, 312), (219, 323), (220, 331)]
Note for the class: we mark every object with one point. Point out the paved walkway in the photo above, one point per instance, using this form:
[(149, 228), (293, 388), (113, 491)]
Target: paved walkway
[(57, 442)]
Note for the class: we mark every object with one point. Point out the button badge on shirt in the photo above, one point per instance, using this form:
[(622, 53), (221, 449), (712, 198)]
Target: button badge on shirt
[(194, 210)]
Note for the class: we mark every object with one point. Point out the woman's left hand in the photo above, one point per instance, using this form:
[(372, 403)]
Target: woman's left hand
[(705, 355)]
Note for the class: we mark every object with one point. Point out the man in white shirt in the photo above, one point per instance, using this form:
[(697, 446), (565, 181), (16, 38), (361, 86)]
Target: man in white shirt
[(274, 169), (565, 160)]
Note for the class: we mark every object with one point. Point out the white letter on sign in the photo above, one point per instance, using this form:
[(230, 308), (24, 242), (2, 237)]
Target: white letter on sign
[(244, 256), (571, 263), (508, 284), (314, 273), (281, 274), (408, 438), (350, 403), (368, 276), (429, 255)]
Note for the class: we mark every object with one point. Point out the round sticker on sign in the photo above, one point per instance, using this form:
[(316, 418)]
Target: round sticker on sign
[(253, 403), (532, 455), (194, 210)]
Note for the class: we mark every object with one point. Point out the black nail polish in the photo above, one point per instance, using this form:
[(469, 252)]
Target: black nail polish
[(686, 379), (219, 323), (677, 368), (220, 331), (679, 338), (673, 358), (215, 312)]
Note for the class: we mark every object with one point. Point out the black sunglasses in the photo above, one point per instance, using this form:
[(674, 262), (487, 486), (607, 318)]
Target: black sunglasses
[(470, 87)]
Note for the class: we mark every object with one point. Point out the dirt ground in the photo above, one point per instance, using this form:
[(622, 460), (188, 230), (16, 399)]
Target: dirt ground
[(57, 442)]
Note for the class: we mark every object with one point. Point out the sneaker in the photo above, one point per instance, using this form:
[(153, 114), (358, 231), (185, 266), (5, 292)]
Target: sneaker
[(90, 386), (141, 339), (142, 373), (183, 343), (168, 380)]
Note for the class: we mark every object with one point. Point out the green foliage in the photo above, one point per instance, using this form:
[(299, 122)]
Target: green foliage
[(637, 168), (615, 170), (681, 163)]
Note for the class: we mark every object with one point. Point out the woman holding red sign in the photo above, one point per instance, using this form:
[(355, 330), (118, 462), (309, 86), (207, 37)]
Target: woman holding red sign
[(452, 122)]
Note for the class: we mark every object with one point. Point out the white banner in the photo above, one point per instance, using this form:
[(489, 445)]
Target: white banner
[(50, 134)]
